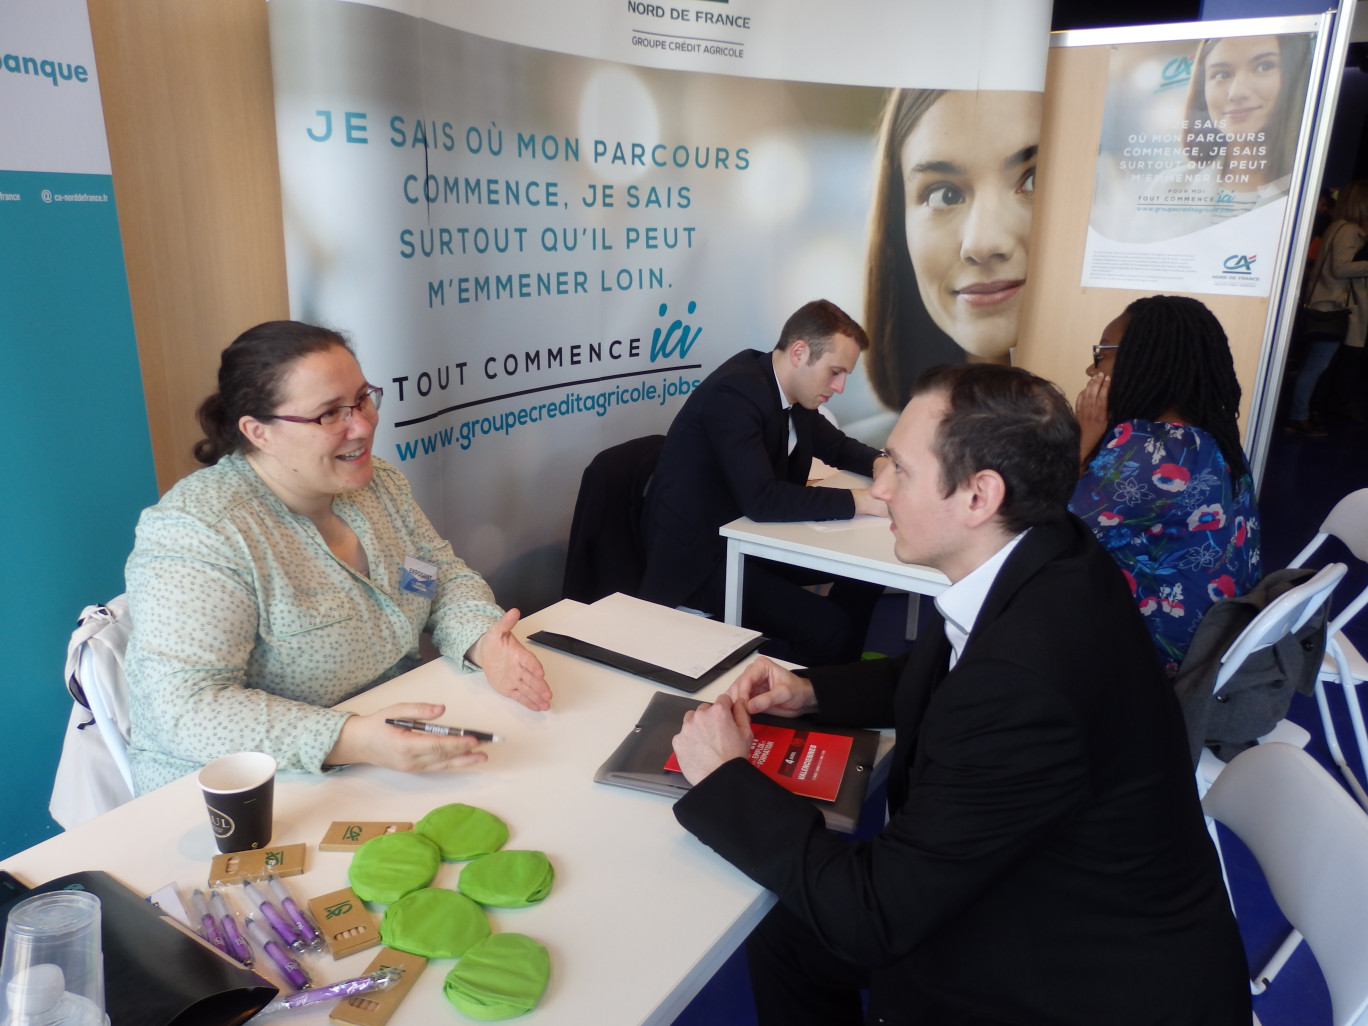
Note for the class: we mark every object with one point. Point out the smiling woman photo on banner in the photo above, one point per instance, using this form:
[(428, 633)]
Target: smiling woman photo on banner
[(1243, 110), (946, 273)]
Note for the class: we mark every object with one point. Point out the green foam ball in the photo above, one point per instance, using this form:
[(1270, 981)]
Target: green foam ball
[(502, 976), (387, 867), (508, 879), (434, 922), (463, 831)]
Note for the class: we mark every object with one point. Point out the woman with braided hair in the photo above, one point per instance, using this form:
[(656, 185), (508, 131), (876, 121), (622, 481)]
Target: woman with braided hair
[(1164, 483)]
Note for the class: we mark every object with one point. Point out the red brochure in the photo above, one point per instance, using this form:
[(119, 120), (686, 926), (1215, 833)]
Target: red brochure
[(807, 762)]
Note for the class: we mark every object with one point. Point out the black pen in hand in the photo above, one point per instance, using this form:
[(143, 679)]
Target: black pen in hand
[(445, 731)]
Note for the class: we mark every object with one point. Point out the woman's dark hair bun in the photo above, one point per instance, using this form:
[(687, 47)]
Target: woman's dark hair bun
[(250, 373)]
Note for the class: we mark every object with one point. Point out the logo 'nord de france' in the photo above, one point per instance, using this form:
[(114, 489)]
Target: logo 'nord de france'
[(1237, 263)]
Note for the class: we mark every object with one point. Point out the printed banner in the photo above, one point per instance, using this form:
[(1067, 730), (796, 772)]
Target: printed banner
[(539, 254), (1198, 142), (82, 468)]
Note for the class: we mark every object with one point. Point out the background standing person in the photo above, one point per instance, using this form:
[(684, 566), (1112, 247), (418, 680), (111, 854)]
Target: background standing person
[(294, 571), (1325, 213), (947, 264), (1339, 282)]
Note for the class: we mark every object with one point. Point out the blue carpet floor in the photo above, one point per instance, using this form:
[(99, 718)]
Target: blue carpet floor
[(1305, 477)]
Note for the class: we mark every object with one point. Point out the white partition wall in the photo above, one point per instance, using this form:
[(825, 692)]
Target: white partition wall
[(542, 222)]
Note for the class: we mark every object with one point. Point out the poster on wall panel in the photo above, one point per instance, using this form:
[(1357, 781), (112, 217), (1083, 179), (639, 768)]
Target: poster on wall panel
[(1198, 142), (80, 467), (542, 224)]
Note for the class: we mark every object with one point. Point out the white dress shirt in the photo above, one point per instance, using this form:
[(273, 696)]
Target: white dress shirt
[(960, 603), (787, 404)]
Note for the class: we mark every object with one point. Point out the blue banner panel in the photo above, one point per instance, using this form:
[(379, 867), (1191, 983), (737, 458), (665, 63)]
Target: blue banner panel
[(80, 455)]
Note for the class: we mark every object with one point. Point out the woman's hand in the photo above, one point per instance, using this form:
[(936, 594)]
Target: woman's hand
[(512, 670), (1091, 410), (369, 739)]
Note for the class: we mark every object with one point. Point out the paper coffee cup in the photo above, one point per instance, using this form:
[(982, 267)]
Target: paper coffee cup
[(239, 791)]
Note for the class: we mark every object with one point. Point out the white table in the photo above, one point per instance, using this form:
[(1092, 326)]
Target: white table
[(641, 914), (860, 550)]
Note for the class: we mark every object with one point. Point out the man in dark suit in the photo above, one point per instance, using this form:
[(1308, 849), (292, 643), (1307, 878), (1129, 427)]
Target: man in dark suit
[(742, 445), (1044, 858)]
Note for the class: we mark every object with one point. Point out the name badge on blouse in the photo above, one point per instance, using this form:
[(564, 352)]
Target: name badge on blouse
[(419, 577)]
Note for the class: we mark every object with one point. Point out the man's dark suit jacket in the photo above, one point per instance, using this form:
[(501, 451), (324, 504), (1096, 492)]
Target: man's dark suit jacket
[(1045, 859), (726, 455)]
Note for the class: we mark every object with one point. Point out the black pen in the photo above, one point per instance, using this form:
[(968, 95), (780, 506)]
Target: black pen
[(445, 731)]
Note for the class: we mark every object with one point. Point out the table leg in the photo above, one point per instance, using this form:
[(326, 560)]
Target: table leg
[(913, 608), (736, 569)]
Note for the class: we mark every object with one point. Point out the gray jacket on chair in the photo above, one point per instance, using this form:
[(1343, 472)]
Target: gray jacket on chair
[(1258, 694)]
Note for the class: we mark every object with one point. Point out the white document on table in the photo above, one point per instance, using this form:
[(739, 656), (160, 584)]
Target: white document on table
[(861, 520), (656, 634), (819, 471)]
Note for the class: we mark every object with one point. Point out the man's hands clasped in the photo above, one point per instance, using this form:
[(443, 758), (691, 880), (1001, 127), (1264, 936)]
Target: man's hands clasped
[(717, 733)]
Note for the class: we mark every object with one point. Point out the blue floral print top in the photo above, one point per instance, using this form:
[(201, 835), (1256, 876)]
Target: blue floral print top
[(1163, 502)]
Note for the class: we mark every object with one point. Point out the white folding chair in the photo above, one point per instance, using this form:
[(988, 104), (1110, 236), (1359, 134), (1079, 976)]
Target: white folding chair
[(1311, 841), (1285, 615), (93, 774), (1348, 522)]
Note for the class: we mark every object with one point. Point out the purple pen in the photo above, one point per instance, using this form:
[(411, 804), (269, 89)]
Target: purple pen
[(237, 945), (302, 924), (289, 968), (378, 980), (279, 923), (208, 928)]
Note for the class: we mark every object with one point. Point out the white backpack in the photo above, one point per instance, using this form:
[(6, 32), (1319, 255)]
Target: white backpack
[(93, 775)]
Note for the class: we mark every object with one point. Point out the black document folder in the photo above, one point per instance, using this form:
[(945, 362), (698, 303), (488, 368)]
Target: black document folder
[(650, 671), (155, 973), (664, 620), (639, 762)]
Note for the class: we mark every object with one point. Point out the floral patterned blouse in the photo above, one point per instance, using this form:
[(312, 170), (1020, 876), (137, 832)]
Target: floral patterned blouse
[(1162, 501), (247, 627)]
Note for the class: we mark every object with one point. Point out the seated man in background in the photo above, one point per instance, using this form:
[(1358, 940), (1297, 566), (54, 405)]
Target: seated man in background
[(742, 445), (1044, 848)]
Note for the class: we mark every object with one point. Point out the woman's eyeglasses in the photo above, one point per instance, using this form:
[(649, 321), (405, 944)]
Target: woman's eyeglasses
[(1097, 354), (366, 402)]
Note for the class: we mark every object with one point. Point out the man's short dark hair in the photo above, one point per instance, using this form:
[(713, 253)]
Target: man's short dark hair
[(817, 323), (1008, 420)]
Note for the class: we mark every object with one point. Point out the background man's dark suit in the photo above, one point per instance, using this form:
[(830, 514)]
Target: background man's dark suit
[(726, 455), (1045, 860)]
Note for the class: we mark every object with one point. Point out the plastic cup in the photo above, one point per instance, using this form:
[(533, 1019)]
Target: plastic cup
[(239, 791), (53, 967)]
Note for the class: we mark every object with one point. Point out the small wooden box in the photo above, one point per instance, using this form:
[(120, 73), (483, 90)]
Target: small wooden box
[(236, 866), (345, 922), (376, 1007), (347, 836)]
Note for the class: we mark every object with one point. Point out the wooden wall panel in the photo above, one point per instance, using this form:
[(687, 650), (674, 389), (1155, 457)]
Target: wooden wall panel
[(1061, 319), (186, 87)]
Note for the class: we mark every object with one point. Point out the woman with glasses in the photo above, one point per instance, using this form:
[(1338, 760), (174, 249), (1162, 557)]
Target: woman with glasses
[(1163, 481), (293, 571)]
